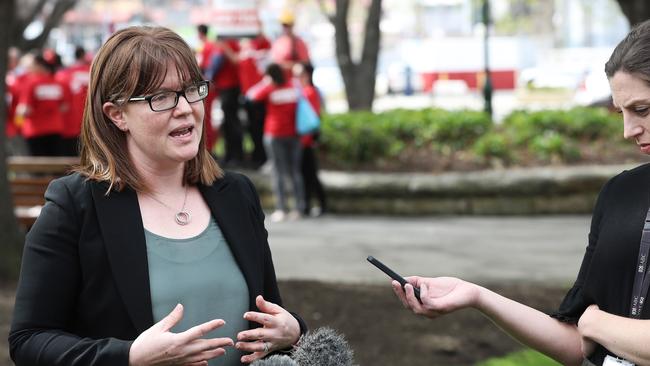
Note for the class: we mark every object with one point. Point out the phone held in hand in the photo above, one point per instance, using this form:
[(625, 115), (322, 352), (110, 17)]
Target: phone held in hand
[(393, 275)]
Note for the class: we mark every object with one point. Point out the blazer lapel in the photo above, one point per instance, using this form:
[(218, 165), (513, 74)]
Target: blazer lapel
[(121, 228), (231, 213)]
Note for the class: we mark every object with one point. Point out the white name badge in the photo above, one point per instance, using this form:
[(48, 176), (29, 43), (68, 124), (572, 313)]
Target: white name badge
[(613, 361)]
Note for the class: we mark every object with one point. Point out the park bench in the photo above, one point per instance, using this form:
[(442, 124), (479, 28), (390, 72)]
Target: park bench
[(29, 177)]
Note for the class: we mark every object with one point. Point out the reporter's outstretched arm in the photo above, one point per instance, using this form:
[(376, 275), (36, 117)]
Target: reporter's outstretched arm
[(529, 326)]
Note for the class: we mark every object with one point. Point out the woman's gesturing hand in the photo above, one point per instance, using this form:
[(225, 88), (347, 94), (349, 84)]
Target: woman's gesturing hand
[(280, 330), (438, 295), (159, 346)]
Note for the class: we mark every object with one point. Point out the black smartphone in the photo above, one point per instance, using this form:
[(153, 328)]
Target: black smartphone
[(392, 275)]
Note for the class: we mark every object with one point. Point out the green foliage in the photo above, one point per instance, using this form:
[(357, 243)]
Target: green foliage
[(551, 146), (521, 358), (364, 136), (367, 138), (578, 123), (493, 145)]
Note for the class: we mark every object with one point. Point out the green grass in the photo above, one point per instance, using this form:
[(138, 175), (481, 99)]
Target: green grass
[(520, 358)]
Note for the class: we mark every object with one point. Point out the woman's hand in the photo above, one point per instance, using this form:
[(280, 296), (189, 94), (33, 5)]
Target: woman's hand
[(438, 295), (280, 330), (158, 346), (587, 345)]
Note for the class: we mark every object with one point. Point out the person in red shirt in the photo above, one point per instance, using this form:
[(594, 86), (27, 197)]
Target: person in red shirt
[(226, 83), (75, 77), (253, 53), (204, 57), (309, 164), (41, 106), (11, 99), (289, 49), (280, 138)]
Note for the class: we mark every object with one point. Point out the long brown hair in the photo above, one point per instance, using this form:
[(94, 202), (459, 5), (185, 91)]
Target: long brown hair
[(133, 61)]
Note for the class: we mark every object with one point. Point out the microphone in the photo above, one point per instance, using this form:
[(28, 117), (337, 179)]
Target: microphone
[(322, 347), (275, 360)]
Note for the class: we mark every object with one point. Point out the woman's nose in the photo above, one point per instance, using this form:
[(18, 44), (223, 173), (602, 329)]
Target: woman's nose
[(631, 128), (183, 106)]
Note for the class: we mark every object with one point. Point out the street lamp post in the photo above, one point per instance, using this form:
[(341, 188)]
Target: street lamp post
[(487, 84)]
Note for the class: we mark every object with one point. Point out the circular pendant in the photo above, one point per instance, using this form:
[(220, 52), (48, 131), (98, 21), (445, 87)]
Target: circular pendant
[(183, 218)]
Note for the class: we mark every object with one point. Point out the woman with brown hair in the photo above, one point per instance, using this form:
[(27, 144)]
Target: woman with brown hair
[(602, 320), (149, 254)]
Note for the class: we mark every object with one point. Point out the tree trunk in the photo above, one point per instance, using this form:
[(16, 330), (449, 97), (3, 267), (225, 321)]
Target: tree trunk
[(358, 77), (636, 11), (12, 239)]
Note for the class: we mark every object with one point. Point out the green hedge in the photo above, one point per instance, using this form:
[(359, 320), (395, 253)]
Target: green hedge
[(548, 136)]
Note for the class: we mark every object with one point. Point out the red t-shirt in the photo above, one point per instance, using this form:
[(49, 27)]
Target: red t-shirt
[(76, 78), (227, 77), (287, 48), (46, 99), (11, 98), (249, 69), (205, 54), (281, 102)]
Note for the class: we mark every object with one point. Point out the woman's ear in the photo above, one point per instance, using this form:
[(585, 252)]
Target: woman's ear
[(116, 114)]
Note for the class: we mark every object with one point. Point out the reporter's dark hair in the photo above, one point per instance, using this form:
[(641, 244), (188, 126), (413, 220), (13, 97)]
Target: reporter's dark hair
[(632, 54), (276, 73)]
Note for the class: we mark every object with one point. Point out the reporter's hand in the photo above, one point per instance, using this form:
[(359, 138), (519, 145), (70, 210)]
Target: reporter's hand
[(280, 330), (587, 345), (439, 296), (159, 346)]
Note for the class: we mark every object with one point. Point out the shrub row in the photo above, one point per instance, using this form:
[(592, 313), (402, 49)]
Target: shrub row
[(551, 135)]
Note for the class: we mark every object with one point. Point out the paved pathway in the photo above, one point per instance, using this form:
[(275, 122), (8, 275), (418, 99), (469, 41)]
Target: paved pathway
[(482, 249)]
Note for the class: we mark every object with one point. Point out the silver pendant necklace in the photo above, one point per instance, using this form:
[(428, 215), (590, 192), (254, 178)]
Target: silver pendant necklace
[(181, 217)]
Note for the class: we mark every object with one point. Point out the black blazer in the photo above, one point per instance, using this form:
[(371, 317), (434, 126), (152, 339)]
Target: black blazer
[(83, 294)]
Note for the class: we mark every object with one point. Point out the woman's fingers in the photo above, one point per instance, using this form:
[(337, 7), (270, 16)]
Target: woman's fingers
[(252, 335), (267, 320), (267, 306), (169, 321), (198, 331), (252, 357)]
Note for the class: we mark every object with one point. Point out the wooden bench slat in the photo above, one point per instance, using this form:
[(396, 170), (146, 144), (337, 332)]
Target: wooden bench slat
[(29, 177)]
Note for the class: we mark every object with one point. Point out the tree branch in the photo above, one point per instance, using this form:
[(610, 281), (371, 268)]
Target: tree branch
[(343, 54), (20, 23), (321, 5), (52, 20), (372, 32)]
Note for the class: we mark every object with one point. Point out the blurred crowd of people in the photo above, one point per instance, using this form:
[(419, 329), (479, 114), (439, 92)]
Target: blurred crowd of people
[(265, 79), (45, 102), (256, 82)]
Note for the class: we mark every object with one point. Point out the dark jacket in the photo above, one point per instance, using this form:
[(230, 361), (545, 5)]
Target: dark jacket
[(83, 294)]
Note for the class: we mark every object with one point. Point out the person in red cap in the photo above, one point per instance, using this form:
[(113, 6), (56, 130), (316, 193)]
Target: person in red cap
[(75, 77), (40, 109)]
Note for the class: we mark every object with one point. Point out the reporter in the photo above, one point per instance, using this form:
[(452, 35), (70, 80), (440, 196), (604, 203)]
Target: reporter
[(149, 254), (602, 317)]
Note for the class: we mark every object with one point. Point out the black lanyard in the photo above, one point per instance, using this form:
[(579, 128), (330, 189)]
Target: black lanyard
[(641, 280)]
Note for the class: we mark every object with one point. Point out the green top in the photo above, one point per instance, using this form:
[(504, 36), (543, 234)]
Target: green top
[(202, 274)]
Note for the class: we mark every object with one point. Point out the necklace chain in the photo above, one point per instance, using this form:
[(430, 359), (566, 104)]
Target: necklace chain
[(181, 217)]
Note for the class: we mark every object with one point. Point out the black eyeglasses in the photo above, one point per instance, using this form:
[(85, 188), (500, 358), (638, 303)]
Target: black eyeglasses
[(167, 100)]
